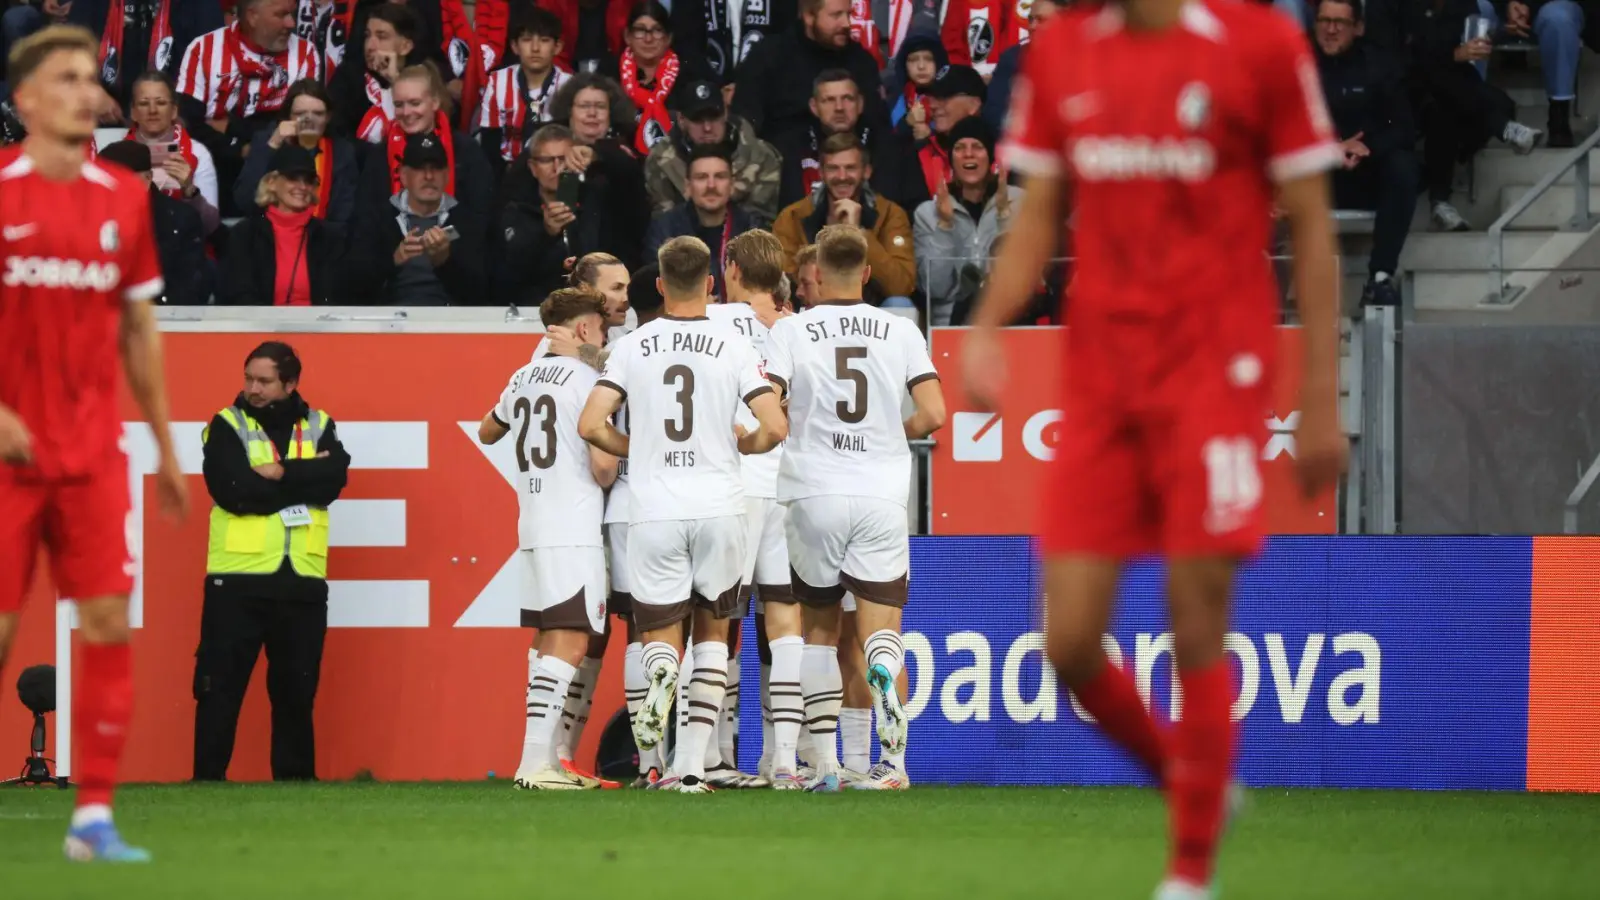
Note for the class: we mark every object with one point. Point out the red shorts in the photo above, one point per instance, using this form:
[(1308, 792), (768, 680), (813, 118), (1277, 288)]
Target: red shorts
[(1160, 455), (84, 524)]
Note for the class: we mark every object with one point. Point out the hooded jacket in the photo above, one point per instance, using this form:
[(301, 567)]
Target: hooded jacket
[(899, 103), (775, 84), (893, 161), (890, 251), (952, 262), (757, 171), (461, 274)]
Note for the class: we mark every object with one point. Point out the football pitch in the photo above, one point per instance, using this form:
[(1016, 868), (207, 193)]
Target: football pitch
[(486, 840)]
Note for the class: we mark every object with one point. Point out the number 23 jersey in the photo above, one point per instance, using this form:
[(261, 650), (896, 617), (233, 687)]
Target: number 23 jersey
[(684, 380), (846, 368), (559, 504)]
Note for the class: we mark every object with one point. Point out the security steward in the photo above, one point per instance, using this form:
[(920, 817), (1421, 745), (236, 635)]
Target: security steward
[(273, 466)]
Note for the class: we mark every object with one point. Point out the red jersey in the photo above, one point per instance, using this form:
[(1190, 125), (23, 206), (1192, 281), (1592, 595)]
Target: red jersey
[(75, 252), (1172, 142)]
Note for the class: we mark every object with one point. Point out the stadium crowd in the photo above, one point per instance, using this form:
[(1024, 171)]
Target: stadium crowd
[(466, 154)]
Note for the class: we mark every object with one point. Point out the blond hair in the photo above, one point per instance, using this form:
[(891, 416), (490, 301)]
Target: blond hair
[(841, 252), (586, 271), (29, 53), (428, 73), (759, 256), (685, 264)]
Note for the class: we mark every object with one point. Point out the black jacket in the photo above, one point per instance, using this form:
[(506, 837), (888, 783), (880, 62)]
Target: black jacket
[(528, 261), (188, 19), (237, 488), (895, 172), (775, 84), (372, 257), (681, 220), (613, 212), (474, 187), (249, 271), (341, 197), (1366, 96), (181, 244)]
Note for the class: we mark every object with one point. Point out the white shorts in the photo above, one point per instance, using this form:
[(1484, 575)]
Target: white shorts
[(674, 566), (621, 598), (855, 544), (566, 588), (766, 546)]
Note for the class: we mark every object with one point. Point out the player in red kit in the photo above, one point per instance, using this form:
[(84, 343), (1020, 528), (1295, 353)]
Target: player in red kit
[(1172, 127), (80, 270)]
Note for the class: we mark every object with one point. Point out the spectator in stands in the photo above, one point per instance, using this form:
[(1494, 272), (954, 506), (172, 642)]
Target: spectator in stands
[(807, 280), (601, 153), (304, 122), (428, 249), (1010, 65), (183, 169), (708, 214), (778, 79), (541, 230), (518, 97), (705, 30), (284, 255), (233, 80), (180, 239), (1557, 26), (364, 102), (138, 36), (957, 94), (956, 230), (845, 197), (1459, 111), (420, 101), (920, 58), (445, 37), (596, 110), (591, 33), (703, 121), (836, 107), (648, 70), (1366, 98)]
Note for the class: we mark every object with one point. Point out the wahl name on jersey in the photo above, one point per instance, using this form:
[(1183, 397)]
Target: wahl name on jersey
[(851, 326), (682, 342)]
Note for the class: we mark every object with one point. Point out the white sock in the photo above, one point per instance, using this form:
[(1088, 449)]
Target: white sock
[(708, 683), (898, 760), (728, 728), (544, 710), (575, 711), (884, 648), (788, 705), (90, 813), (680, 718), (824, 692), (766, 719), (855, 732), (533, 666), (634, 684)]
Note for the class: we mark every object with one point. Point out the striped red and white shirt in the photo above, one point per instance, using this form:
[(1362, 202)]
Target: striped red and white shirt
[(509, 100), (231, 78)]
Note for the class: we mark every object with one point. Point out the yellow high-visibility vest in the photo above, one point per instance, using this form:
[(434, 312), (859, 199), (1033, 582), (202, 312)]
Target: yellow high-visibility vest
[(257, 545)]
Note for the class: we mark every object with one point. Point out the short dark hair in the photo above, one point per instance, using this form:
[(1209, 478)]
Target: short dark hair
[(309, 87), (651, 9), (156, 76), (644, 298), (829, 76), (534, 21), (1355, 7), (624, 116), (282, 356), (568, 303), (707, 151), (402, 18)]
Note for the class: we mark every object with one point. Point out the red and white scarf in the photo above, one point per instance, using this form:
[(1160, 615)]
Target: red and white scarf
[(185, 144), (324, 177), (228, 75), (375, 123), (510, 100), (326, 27), (396, 139), (864, 29), (654, 123), (112, 55)]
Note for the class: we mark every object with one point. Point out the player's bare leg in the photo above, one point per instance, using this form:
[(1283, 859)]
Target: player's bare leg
[(855, 718), (8, 629), (575, 709), (822, 690), (784, 623), (1198, 593), (559, 652), (1079, 593), (102, 704)]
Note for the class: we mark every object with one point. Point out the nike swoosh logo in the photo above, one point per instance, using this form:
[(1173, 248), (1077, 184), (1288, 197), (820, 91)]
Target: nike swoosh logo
[(18, 232)]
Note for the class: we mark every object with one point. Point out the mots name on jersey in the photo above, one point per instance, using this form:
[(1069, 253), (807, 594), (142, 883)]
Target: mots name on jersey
[(682, 343), (1132, 158), (54, 272), (862, 326)]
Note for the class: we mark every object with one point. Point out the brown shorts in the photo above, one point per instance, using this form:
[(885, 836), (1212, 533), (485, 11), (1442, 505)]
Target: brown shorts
[(650, 617)]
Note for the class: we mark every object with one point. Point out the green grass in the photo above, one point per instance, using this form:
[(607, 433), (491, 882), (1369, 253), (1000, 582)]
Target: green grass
[(486, 840)]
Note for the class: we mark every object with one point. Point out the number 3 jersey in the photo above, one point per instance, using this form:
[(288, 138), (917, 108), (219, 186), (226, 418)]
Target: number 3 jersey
[(559, 504), (684, 380), (846, 367)]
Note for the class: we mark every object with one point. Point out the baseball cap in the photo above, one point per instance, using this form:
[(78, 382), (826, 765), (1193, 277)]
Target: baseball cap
[(955, 80), (700, 98), (131, 155), (423, 151), (293, 159)]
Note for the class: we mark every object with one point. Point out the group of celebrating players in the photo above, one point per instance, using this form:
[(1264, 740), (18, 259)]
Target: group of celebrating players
[(744, 445), (714, 490)]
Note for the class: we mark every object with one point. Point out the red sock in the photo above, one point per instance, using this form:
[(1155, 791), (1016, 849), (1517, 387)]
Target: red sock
[(101, 707), (1111, 697), (1202, 761)]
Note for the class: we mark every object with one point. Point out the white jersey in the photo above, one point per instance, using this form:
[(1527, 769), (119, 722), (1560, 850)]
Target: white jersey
[(559, 503), (846, 368), (760, 469), (618, 501), (684, 380)]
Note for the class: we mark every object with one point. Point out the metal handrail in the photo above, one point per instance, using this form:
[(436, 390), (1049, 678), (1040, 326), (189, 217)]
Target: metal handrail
[(1569, 518), (1577, 158)]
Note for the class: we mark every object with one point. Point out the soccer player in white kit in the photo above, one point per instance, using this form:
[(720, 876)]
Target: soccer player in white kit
[(561, 484), (684, 377), (845, 479)]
